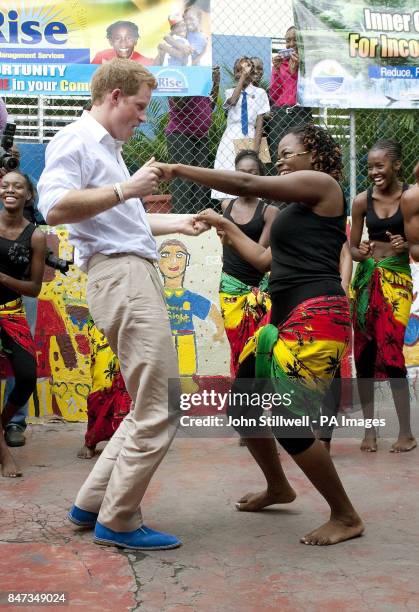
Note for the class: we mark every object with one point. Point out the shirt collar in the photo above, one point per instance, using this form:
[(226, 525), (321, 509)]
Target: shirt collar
[(250, 88), (99, 132)]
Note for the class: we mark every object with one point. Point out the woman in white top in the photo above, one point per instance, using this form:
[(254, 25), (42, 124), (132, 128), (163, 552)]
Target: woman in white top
[(239, 123)]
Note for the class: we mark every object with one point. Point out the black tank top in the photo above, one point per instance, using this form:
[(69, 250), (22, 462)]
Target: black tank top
[(377, 227), (306, 250), (15, 258), (233, 264)]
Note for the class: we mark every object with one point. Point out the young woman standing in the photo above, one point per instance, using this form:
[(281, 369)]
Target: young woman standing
[(243, 298), (382, 290), (22, 257)]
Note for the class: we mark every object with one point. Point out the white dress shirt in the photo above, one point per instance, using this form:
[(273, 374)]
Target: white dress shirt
[(84, 155)]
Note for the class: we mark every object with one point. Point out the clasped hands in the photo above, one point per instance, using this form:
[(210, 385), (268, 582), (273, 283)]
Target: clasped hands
[(147, 179)]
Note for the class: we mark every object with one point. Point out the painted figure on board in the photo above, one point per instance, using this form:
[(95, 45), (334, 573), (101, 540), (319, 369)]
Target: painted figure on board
[(183, 305)]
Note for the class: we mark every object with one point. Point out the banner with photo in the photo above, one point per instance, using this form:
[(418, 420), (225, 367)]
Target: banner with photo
[(53, 47), (360, 54)]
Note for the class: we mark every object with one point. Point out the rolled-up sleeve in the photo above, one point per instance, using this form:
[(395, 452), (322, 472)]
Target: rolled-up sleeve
[(263, 103), (63, 170)]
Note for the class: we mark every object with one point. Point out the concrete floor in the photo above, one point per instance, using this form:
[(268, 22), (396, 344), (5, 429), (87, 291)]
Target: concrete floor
[(230, 561)]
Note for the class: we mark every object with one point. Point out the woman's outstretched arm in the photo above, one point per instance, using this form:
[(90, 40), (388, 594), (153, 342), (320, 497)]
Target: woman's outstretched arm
[(308, 186), (259, 257)]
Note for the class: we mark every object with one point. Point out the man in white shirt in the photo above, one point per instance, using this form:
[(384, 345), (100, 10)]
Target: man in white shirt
[(86, 184)]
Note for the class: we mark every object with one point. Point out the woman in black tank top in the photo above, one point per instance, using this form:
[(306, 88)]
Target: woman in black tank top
[(22, 256), (243, 298), (382, 290), (312, 322)]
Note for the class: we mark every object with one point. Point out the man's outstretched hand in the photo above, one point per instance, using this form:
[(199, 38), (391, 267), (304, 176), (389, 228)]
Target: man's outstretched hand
[(210, 217), (166, 170), (144, 181), (191, 226)]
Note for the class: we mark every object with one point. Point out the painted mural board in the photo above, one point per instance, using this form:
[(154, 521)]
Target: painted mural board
[(189, 268)]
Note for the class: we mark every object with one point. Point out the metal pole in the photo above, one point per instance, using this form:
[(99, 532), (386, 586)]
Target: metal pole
[(41, 119), (352, 156)]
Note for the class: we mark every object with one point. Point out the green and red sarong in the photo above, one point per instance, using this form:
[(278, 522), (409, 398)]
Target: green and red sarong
[(303, 353), (382, 293), (108, 401), (13, 322), (243, 308)]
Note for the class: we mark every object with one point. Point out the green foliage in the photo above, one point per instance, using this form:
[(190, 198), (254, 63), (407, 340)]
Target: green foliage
[(400, 125), (218, 125), (373, 125)]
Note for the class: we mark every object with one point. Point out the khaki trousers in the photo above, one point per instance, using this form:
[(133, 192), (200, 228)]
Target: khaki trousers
[(127, 303)]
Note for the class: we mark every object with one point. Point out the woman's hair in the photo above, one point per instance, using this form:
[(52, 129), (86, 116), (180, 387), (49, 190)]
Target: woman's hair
[(31, 187), (253, 155), (122, 24), (327, 152), (393, 148)]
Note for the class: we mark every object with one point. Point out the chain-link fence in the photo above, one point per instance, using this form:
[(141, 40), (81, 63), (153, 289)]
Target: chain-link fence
[(210, 131)]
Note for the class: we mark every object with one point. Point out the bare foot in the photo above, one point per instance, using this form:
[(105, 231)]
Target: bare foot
[(334, 531), (403, 444), (369, 443), (252, 502), (86, 452), (9, 468)]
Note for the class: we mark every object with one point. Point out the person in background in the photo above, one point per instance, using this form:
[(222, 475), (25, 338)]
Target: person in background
[(382, 290), (22, 258), (3, 115), (197, 40), (169, 52), (123, 37), (258, 69), (246, 106), (14, 433), (187, 143), (15, 429), (243, 298), (283, 94), (108, 401), (410, 209)]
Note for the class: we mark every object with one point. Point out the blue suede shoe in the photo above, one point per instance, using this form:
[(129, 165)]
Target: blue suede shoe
[(143, 538), (82, 518)]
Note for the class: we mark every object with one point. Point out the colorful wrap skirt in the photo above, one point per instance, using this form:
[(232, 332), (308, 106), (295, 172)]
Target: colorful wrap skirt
[(13, 322), (302, 354), (382, 293), (243, 308), (108, 401)]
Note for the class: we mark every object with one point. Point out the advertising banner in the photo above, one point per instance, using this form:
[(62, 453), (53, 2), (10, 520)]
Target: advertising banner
[(359, 54), (53, 47)]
